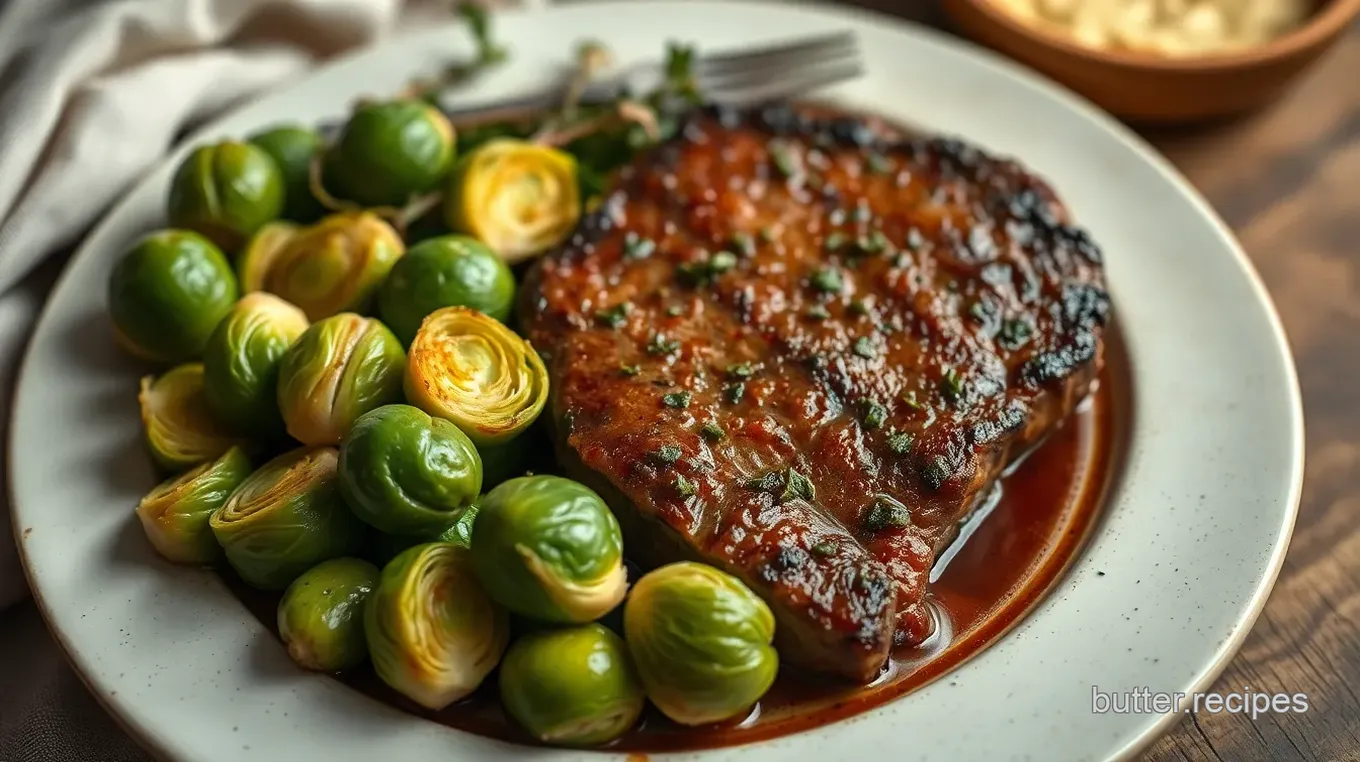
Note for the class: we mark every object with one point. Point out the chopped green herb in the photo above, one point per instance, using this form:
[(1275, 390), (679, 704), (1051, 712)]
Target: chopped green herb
[(951, 384), (712, 431), (912, 402), (766, 234), (874, 414), (899, 443), (915, 241), (635, 247), (677, 399), (721, 262), (858, 308), (668, 454), (743, 244), (874, 243), (797, 486), (693, 273), (734, 392), (782, 157), (771, 482), (878, 164), (1014, 333), (937, 472), (835, 241), (630, 370), (886, 513), (741, 370), (864, 347), (818, 312), (980, 310), (827, 280), (824, 548), (675, 310), (684, 487), (660, 345), (615, 316)]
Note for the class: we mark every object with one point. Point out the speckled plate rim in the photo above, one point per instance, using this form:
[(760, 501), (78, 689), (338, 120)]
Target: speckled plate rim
[(1208, 493)]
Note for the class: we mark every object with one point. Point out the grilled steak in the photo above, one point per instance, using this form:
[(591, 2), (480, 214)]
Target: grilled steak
[(799, 345)]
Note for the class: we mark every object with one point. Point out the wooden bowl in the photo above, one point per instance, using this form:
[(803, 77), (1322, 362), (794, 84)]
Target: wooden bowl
[(1146, 88)]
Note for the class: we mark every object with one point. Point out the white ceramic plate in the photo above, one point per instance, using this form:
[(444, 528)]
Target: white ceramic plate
[(1189, 545)]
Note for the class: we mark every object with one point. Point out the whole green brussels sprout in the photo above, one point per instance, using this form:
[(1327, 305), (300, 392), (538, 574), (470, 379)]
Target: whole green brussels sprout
[(518, 197), (468, 368), (286, 518), (292, 147), (175, 514), (242, 358), (548, 548), (449, 271), (226, 191), (340, 368), (384, 547), (167, 294), (403, 472), (574, 686), (180, 428), (321, 615), (333, 266), (389, 152), (432, 633), (700, 640)]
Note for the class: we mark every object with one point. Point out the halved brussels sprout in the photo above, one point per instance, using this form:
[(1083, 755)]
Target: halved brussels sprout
[(167, 294), (339, 369), (521, 199), (701, 642), (292, 147), (389, 152), (404, 472), (241, 362), (548, 548), (257, 256), (321, 616), (448, 271), (175, 513), (384, 547), (574, 686), (226, 191), (471, 369), (179, 426), (333, 266), (432, 633), (286, 518)]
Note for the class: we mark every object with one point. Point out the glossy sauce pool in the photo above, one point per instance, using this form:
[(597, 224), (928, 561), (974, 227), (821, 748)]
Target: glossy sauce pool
[(1013, 551)]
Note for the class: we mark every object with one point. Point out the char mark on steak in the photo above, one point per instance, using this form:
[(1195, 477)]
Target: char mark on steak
[(798, 344)]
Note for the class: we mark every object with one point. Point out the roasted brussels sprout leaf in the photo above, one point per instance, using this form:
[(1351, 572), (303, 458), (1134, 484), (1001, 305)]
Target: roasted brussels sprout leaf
[(403, 472), (292, 147), (321, 615), (167, 294), (333, 266), (471, 369), (548, 548), (226, 191), (432, 633), (700, 640), (175, 514), (340, 368), (384, 547), (389, 152), (180, 429), (241, 363), (519, 198), (573, 687), (286, 518), (448, 271)]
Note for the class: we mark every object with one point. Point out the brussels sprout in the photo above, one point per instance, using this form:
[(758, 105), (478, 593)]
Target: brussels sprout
[(521, 199), (403, 472), (388, 152), (384, 547), (241, 362), (321, 616), (292, 147), (574, 686), (333, 266), (701, 642), (180, 429), (548, 548), (226, 191), (175, 513), (167, 294), (339, 369), (432, 633), (286, 518), (471, 369), (449, 271)]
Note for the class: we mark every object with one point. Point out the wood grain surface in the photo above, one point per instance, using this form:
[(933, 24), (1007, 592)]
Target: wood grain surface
[(1287, 179)]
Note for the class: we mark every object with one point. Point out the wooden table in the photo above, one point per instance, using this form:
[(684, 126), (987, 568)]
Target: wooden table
[(1288, 182)]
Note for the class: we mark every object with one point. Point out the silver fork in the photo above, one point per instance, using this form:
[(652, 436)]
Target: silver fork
[(731, 78)]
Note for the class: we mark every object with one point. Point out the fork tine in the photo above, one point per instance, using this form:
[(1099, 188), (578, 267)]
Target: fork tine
[(774, 54), (745, 77), (803, 82)]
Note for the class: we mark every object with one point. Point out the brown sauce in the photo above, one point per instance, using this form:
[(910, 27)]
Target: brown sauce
[(1014, 554)]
